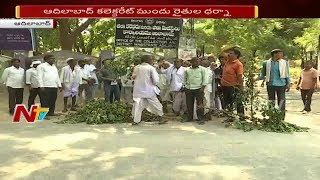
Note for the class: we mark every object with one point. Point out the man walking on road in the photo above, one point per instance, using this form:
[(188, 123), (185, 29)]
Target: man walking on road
[(14, 78), (49, 83), (275, 72), (33, 84), (145, 90), (307, 84)]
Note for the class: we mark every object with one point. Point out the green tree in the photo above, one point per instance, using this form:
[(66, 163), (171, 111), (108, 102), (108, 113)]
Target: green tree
[(98, 37), (310, 36), (255, 36)]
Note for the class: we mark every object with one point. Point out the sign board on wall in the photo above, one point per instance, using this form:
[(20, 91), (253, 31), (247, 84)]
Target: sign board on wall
[(17, 39), (148, 33)]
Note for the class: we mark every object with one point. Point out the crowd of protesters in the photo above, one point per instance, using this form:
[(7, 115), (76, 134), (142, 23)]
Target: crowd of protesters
[(194, 87)]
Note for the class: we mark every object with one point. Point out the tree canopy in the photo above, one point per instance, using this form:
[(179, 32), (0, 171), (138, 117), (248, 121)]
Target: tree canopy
[(256, 37)]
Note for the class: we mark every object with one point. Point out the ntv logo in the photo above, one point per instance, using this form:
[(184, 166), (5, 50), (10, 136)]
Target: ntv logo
[(35, 113)]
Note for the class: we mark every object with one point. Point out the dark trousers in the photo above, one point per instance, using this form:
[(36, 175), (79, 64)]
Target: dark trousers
[(306, 95), (15, 97), (87, 91), (191, 96), (33, 93), (230, 99), (111, 92), (220, 95), (49, 99), (280, 91)]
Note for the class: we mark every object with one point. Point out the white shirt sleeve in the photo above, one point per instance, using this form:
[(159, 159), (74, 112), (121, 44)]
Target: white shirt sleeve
[(5, 76), (62, 75), (135, 72), (155, 76), (40, 75), (28, 77), (58, 79), (88, 74)]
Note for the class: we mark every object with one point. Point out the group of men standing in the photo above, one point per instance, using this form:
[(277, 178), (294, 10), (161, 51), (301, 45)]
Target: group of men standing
[(198, 85), (43, 80), (195, 87)]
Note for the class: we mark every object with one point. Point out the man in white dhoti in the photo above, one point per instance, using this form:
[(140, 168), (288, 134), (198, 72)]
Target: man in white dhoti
[(70, 79), (145, 90)]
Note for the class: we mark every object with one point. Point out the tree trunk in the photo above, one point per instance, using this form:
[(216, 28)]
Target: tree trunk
[(68, 37)]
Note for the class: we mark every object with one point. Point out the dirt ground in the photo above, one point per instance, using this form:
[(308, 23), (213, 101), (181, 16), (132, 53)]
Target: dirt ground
[(46, 150)]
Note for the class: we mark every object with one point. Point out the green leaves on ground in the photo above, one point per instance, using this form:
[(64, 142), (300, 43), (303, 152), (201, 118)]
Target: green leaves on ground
[(272, 121), (99, 112)]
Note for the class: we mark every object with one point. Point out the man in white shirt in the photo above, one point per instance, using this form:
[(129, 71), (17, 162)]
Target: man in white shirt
[(208, 89), (85, 82), (93, 73), (70, 82), (145, 91), (49, 83), (33, 83), (163, 84), (14, 78), (175, 79)]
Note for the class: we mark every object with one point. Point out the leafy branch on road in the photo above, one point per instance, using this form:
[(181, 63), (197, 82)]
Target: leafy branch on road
[(99, 112)]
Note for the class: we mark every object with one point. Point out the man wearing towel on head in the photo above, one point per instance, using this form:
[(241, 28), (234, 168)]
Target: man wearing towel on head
[(70, 80), (32, 83), (275, 72)]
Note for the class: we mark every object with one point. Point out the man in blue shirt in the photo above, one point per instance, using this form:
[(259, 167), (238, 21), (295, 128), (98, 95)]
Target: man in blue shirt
[(276, 74)]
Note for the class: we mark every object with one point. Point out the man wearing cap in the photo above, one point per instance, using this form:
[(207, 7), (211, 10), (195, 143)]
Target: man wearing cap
[(70, 80), (32, 83), (13, 77), (275, 72), (49, 83)]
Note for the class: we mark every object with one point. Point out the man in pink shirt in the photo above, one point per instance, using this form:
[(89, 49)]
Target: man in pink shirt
[(307, 84)]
